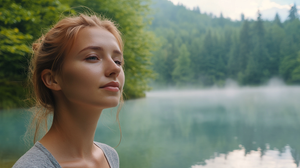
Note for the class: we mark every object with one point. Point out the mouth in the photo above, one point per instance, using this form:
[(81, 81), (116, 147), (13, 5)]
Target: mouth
[(111, 86)]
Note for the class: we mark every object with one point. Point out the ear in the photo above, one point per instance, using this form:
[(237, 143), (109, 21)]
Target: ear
[(49, 80)]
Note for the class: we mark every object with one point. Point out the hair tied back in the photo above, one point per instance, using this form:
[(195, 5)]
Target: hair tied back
[(37, 44)]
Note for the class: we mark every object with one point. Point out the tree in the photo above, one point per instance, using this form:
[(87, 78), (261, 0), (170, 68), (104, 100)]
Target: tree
[(232, 65), (163, 61), (195, 56), (197, 10), (289, 49), (132, 18), (287, 67), (221, 20), (182, 73), (277, 20), (245, 46), (210, 60), (252, 73), (242, 17), (258, 60), (293, 13), (274, 37), (20, 23), (295, 75), (248, 51)]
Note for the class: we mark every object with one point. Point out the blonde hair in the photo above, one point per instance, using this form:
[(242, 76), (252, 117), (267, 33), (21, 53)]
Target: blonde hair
[(48, 53)]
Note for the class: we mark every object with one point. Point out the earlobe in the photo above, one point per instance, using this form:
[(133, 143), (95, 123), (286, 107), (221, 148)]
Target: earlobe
[(49, 80)]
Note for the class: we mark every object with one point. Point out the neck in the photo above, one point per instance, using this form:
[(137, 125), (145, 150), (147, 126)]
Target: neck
[(72, 132)]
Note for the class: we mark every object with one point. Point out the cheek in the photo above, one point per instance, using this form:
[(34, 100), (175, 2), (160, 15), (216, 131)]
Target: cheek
[(122, 78), (70, 77), (78, 77)]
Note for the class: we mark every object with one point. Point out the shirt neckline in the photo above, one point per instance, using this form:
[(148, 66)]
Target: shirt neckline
[(55, 162)]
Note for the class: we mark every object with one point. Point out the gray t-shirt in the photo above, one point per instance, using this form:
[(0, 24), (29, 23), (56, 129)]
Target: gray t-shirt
[(38, 156)]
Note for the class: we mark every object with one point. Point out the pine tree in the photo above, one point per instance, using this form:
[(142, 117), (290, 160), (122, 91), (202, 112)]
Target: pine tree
[(182, 73), (197, 10), (293, 13), (164, 59), (258, 27), (195, 56), (274, 37), (295, 75), (257, 49), (242, 17), (252, 73), (232, 68), (289, 49), (208, 60), (258, 60), (245, 47), (221, 20), (277, 20)]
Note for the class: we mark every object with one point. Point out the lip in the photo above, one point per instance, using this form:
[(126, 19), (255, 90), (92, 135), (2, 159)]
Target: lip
[(111, 86)]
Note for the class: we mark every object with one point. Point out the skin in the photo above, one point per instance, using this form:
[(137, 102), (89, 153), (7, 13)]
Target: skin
[(94, 60)]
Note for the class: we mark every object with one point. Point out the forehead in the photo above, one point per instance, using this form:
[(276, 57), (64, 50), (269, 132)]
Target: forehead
[(94, 36)]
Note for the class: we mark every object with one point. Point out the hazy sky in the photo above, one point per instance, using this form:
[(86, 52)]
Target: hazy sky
[(234, 8)]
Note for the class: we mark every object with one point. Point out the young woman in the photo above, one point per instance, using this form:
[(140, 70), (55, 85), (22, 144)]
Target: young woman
[(76, 71)]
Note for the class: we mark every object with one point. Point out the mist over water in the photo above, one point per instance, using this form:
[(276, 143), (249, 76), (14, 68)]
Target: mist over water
[(228, 127), (265, 98), (245, 126)]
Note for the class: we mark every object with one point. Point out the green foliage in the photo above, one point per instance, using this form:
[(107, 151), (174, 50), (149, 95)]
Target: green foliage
[(258, 60), (245, 43), (249, 51), (289, 49), (131, 16), (20, 23), (274, 38), (164, 59), (295, 75), (277, 20), (13, 53), (182, 73), (293, 13)]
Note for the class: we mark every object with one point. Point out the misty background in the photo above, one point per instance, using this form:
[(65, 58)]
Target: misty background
[(205, 86)]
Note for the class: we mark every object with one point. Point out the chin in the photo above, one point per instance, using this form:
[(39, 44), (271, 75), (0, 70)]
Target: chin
[(109, 103), (113, 104)]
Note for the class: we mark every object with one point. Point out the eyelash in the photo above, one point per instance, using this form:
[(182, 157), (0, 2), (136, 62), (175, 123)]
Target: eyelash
[(118, 63), (90, 59)]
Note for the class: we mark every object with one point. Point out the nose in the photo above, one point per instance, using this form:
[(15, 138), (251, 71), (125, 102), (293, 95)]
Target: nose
[(112, 69)]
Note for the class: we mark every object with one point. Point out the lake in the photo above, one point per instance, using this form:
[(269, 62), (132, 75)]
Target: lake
[(229, 127)]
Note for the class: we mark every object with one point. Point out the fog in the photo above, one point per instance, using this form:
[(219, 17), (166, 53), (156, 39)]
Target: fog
[(274, 90), (272, 102)]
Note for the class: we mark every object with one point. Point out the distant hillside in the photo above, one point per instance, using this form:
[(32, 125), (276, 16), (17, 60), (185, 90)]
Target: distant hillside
[(201, 49)]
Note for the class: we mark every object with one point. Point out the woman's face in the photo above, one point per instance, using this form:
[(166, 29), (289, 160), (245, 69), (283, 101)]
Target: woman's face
[(92, 72)]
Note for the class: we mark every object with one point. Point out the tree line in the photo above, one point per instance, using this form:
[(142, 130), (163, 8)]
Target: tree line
[(188, 47), (203, 50), (22, 22)]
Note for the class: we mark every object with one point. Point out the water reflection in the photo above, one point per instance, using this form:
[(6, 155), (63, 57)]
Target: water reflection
[(238, 159), (188, 128)]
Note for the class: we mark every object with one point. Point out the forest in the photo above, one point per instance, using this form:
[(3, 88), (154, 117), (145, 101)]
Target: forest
[(23, 22), (204, 50), (164, 43)]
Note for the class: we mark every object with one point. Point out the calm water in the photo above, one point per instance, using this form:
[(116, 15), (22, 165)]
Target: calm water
[(213, 128)]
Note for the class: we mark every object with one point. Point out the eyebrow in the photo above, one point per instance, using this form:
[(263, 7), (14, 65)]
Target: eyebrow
[(99, 49), (117, 52)]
